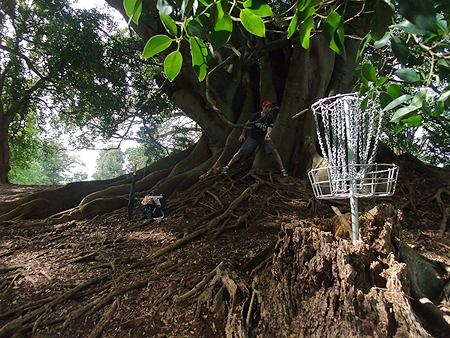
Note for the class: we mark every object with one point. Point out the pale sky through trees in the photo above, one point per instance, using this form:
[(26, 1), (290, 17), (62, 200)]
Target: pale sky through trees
[(89, 157)]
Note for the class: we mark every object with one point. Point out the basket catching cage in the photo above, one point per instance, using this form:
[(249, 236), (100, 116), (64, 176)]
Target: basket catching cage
[(348, 137)]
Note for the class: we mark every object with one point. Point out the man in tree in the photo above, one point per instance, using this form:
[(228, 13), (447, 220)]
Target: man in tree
[(259, 135)]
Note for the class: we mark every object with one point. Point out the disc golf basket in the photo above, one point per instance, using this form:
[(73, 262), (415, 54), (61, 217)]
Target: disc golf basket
[(348, 137)]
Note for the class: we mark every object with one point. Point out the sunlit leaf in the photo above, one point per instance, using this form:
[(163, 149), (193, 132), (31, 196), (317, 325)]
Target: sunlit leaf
[(304, 4), (330, 26), (169, 24), (300, 18), (253, 23), (133, 9), (156, 44), (305, 32), (172, 64), (408, 75), (258, 7), (381, 81), (199, 54), (222, 32), (293, 25), (413, 121)]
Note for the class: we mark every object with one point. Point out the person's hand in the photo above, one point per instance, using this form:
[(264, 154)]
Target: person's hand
[(267, 137), (241, 138)]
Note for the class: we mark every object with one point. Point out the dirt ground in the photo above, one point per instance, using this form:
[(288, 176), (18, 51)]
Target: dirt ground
[(109, 255)]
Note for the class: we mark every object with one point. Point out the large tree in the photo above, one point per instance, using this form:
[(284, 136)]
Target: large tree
[(64, 67), (317, 284)]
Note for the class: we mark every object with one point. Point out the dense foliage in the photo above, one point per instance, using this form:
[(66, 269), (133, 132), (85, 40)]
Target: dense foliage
[(405, 57)]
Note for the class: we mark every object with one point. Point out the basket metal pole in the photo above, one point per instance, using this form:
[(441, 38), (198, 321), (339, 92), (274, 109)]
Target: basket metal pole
[(351, 161)]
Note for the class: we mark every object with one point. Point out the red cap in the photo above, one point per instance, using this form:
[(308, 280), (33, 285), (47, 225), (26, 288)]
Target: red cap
[(267, 103)]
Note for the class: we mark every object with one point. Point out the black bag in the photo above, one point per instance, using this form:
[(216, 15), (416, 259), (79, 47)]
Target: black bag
[(154, 207)]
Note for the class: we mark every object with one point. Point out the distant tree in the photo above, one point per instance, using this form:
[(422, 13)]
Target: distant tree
[(61, 65), (109, 164), (135, 155), (50, 165)]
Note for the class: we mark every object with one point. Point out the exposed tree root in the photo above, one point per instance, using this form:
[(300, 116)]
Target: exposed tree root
[(310, 282)]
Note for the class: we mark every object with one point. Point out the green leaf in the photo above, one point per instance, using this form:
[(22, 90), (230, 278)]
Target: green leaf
[(363, 45), (444, 96), (222, 32), (385, 99), (133, 9), (258, 7), (413, 121), (305, 14), (224, 24), (383, 41), (330, 26), (410, 28), (420, 12), (402, 112), (199, 54), (304, 4), (438, 110), (369, 73), (398, 101), (408, 75), (395, 91), (305, 32), (169, 24), (156, 44), (399, 127), (253, 23), (172, 64), (381, 81), (194, 28), (381, 19), (298, 19), (400, 49), (293, 25), (364, 104)]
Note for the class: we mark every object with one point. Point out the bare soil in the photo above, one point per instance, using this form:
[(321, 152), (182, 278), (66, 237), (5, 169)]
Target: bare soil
[(130, 288)]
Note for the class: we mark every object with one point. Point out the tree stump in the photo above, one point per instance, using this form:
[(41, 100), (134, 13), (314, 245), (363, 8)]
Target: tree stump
[(322, 286)]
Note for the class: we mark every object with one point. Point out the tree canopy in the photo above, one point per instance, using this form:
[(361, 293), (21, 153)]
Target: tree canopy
[(46, 81)]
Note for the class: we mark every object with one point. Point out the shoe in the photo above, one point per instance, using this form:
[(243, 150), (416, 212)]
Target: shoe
[(284, 173), (225, 170)]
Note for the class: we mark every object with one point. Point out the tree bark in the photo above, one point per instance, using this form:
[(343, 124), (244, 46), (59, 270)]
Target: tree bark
[(4, 148), (319, 286)]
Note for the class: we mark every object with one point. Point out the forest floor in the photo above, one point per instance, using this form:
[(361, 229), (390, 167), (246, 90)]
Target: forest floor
[(111, 277)]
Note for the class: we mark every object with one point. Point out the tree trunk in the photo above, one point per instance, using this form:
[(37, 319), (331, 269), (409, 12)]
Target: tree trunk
[(4, 148), (319, 286)]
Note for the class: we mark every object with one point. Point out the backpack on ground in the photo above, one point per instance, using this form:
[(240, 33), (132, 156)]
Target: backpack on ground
[(154, 207)]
